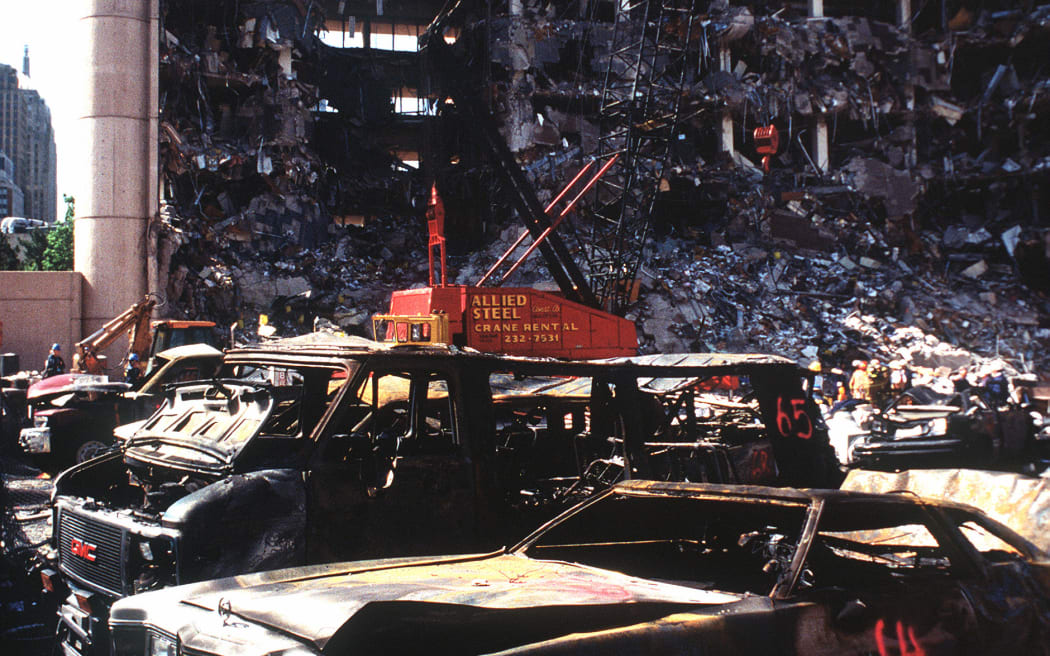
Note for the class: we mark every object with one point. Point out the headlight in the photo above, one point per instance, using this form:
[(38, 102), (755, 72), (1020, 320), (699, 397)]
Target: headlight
[(939, 426), (129, 641), (162, 646)]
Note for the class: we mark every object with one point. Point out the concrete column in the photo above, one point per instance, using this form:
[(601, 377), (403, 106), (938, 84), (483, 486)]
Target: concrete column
[(116, 154), (726, 136), (725, 63), (820, 144), (904, 14), (904, 22)]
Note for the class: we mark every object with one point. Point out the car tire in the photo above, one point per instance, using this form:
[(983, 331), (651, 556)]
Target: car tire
[(88, 449)]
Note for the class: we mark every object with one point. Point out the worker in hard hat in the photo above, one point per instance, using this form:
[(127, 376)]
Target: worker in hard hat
[(858, 382), (818, 381), (878, 383), (133, 374), (54, 365)]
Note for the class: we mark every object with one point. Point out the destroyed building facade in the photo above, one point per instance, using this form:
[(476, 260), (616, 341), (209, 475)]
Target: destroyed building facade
[(906, 178)]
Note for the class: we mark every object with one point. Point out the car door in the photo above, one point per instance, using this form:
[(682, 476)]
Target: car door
[(880, 578), (1012, 605), (394, 477)]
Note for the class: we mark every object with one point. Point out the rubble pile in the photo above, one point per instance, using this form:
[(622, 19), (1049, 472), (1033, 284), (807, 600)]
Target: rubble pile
[(927, 225), (829, 307), (252, 164)]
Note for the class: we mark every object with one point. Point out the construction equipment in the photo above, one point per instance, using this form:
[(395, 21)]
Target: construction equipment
[(142, 336), (517, 320), (170, 333), (87, 356), (652, 60)]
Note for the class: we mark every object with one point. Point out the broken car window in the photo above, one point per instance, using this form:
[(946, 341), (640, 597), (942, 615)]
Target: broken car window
[(402, 412), (873, 542), (735, 546), (990, 545), (988, 539)]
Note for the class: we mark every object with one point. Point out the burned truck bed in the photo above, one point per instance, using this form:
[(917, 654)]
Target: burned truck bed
[(323, 448)]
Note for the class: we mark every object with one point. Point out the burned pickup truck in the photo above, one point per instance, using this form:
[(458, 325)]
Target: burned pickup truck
[(322, 448), (646, 568)]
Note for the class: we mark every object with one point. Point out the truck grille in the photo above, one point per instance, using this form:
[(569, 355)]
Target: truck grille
[(92, 551)]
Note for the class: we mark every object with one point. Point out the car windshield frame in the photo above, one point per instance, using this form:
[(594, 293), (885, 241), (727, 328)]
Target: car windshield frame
[(728, 512)]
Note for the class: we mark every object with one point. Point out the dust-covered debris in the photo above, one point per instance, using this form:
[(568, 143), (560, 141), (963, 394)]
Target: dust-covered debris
[(926, 229)]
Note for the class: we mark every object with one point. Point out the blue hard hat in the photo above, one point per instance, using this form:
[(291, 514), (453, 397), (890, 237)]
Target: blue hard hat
[(56, 347), (134, 357)]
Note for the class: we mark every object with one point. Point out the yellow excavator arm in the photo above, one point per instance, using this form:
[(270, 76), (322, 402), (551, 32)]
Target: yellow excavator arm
[(135, 321)]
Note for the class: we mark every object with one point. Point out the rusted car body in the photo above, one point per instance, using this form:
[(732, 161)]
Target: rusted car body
[(646, 567), (322, 448)]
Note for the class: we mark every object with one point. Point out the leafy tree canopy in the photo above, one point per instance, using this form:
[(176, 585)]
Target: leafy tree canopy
[(58, 255)]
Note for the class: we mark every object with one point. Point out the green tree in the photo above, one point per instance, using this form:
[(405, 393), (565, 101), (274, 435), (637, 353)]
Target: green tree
[(8, 256), (33, 250), (58, 256)]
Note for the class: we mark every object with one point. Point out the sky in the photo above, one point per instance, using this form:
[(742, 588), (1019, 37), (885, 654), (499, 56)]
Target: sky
[(48, 27)]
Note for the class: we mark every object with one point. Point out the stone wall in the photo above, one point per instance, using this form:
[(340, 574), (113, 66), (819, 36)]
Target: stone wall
[(38, 308)]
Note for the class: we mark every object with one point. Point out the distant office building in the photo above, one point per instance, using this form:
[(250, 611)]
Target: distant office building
[(11, 198), (28, 139)]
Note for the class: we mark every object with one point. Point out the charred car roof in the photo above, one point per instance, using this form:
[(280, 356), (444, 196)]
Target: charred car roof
[(318, 348)]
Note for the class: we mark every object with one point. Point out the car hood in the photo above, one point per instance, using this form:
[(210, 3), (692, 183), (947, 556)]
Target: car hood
[(56, 386), (505, 589)]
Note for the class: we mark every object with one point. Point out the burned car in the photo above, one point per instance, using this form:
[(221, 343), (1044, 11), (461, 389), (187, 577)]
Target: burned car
[(323, 448), (646, 567), (73, 415), (924, 427)]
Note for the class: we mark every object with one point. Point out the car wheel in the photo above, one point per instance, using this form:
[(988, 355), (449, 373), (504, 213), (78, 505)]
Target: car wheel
[(89, 449)]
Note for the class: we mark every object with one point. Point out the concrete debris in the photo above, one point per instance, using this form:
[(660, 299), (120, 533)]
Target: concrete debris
[(925, 226), (975, 270)]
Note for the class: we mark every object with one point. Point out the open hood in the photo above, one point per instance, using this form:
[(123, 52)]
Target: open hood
[(207, 424)]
